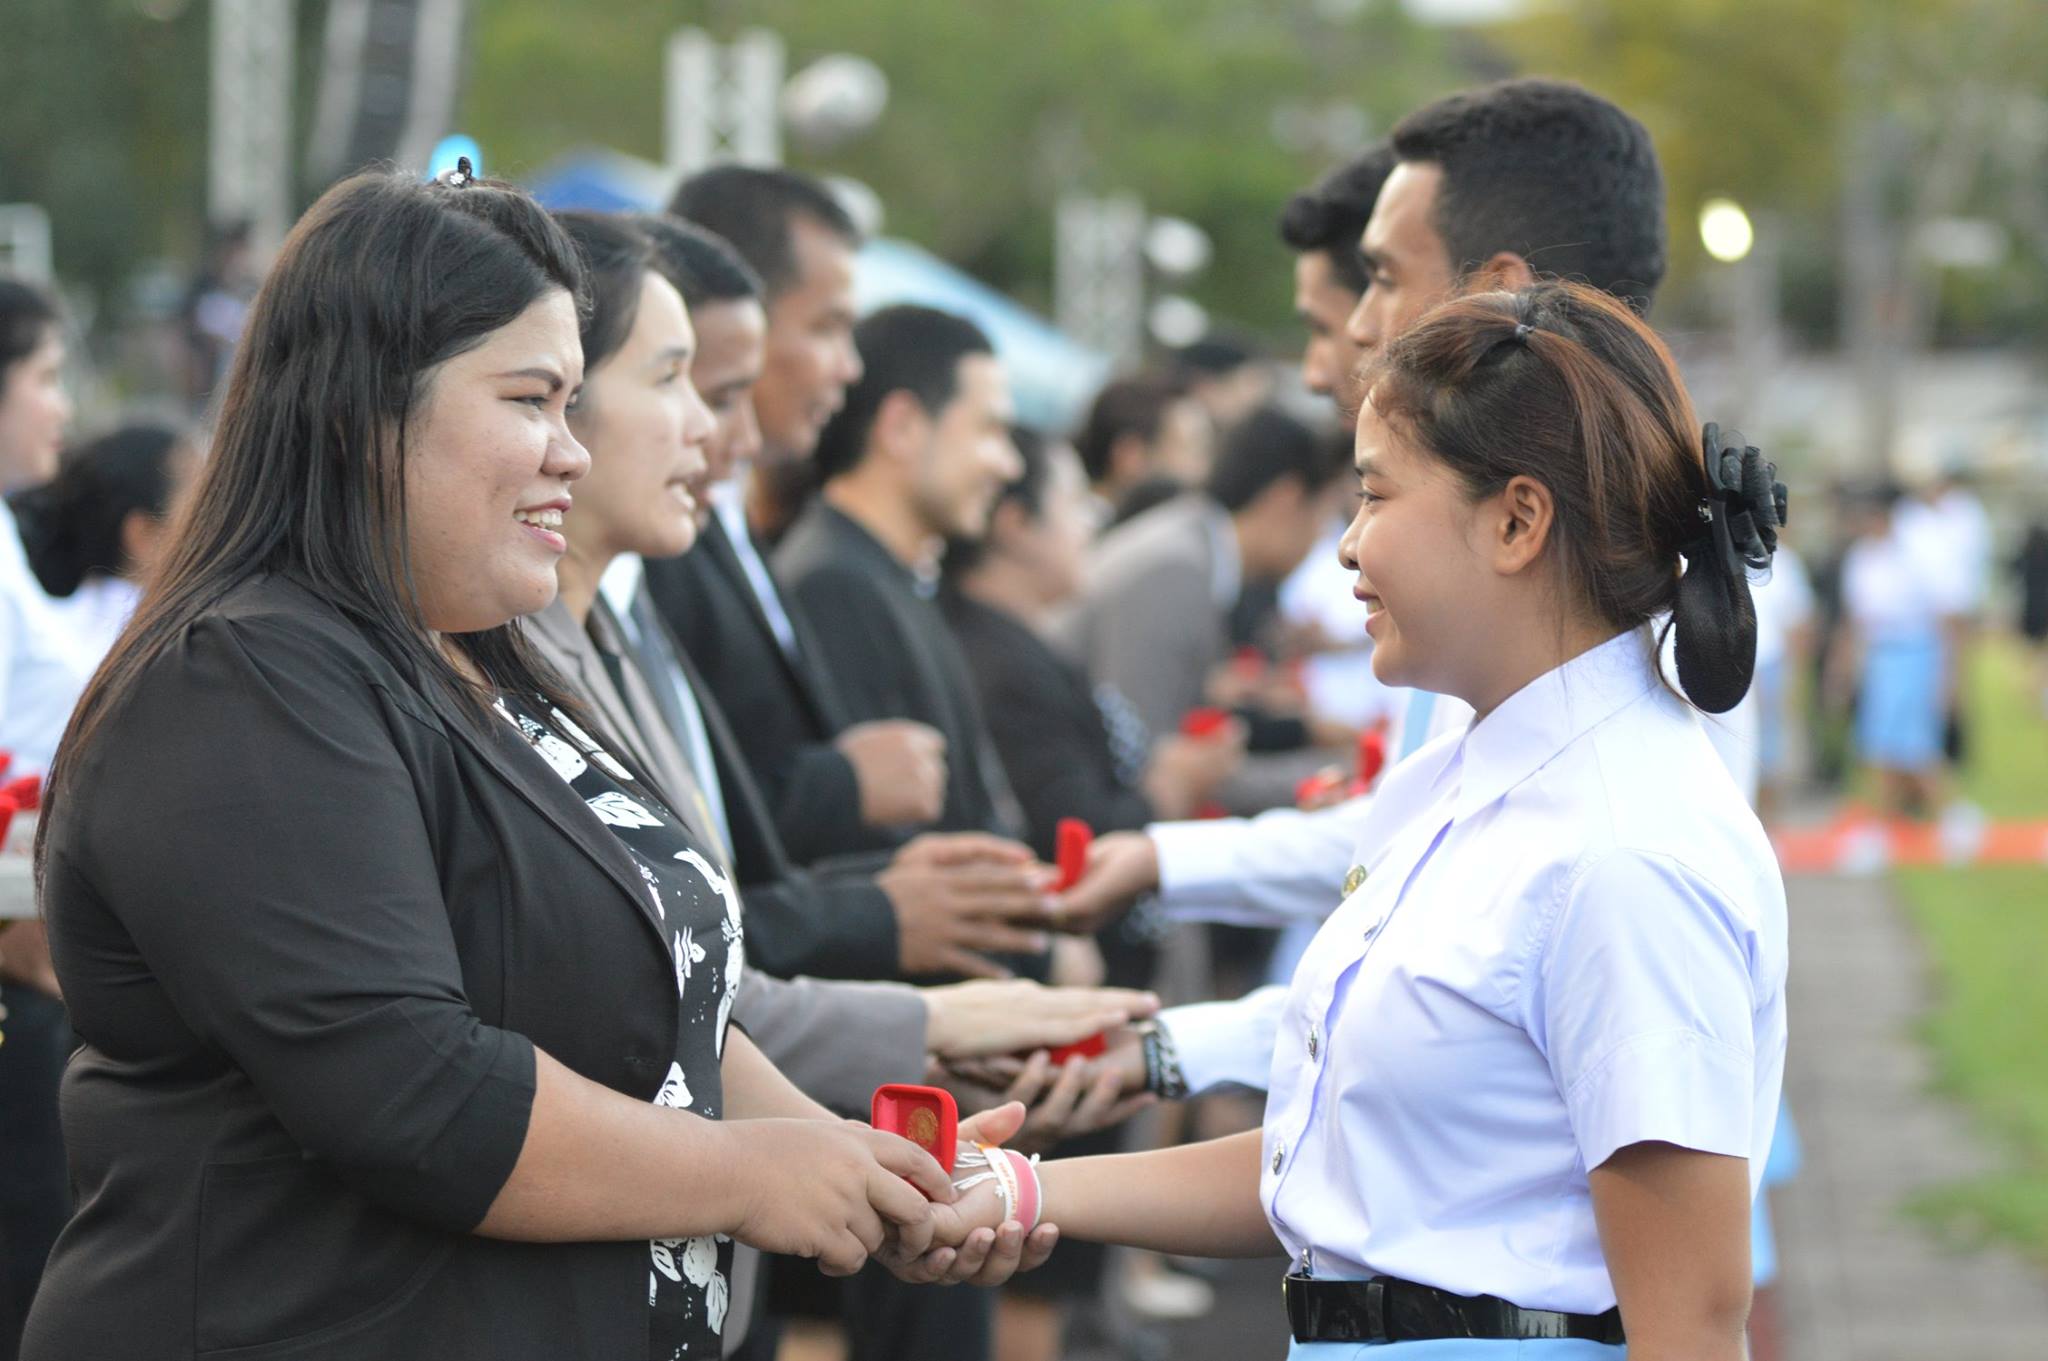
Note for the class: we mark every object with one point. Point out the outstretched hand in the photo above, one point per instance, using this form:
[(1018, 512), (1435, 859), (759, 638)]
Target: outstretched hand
[(972, 1243)]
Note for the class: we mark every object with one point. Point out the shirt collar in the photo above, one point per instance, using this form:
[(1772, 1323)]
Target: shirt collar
[(621, 582), (729, 504), (1551, 712)]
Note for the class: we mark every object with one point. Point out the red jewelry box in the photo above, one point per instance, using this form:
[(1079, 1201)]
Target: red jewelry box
[(1092, 1047), (927, 1116), (1074, 837)]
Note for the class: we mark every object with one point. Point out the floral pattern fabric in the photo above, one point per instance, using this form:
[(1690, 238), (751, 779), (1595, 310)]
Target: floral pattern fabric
[(699, 908)]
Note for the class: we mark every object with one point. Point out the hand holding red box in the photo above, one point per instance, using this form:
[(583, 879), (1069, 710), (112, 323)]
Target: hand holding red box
[(927, 1116)]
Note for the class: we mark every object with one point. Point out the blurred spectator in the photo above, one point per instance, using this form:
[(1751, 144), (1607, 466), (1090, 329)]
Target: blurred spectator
[(1154, 619), (216, 308), (1224, 373), (832, 788), (1140, 428), (1947, 527), (94, 532), (1323, 226), (1784, 639), (799, 239), (917, 456), (42, 671), (1070, 749), (1892, 653)]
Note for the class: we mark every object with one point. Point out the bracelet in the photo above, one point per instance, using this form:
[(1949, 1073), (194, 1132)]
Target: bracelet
[(1015, 1177), (1163, 1077)]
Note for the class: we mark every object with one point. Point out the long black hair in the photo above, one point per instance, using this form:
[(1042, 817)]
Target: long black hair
[(382, 280), (71, 525)]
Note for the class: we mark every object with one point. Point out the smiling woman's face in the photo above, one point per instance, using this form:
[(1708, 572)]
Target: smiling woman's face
[(489, 462), (646, 429)]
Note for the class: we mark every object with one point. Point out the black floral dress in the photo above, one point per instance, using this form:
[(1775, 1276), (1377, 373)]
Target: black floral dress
[(687, 1278)]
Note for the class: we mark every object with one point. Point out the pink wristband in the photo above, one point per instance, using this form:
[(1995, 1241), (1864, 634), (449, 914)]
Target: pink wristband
[(1030, 1197)]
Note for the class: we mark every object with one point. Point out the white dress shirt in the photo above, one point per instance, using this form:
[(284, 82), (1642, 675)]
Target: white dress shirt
[(1571, 938), (43, 668), (729, 503)]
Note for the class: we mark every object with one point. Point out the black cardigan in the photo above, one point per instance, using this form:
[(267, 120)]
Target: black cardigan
[(310, 928)]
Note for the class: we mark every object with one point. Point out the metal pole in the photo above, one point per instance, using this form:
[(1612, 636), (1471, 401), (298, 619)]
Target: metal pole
[(249, 158), (722, 103), (1099, 272)]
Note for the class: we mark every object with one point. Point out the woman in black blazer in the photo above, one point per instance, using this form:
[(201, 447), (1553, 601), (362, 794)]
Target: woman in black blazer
[(404, 1003)]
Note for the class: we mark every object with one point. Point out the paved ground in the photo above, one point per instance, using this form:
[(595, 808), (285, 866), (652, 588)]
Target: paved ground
[(1862, 1282)]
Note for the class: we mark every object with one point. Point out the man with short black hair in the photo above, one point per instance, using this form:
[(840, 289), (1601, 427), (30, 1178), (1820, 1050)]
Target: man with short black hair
[(1500, 185), (801, 242), (1322, 224), (918, 454), (833, 787), (1554, 179), (1140, 428)]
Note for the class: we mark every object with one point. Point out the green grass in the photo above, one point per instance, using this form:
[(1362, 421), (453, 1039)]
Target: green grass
[(1986, 932)]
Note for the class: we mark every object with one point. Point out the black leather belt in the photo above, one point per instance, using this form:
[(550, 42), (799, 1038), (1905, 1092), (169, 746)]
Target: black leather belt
[(1384, 1309)]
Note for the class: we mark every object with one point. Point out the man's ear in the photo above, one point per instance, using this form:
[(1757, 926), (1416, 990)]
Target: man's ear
[(1516, 524), (902, 426), (1505, 272)]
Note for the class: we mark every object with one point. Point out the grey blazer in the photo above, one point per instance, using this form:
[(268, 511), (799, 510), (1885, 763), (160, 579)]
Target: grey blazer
[(1150, 623)]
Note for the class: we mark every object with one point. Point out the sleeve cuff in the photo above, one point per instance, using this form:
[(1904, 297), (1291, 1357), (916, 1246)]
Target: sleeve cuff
[(1226, 1044), (1677, 1087)]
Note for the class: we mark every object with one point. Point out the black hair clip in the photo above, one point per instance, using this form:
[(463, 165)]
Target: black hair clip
[(461, 177), (1744, 506)]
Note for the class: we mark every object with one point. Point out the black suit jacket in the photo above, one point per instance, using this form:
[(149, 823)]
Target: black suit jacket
[(784, 711), (311, 923), (892, 655), (1048, 728), (831, 922)]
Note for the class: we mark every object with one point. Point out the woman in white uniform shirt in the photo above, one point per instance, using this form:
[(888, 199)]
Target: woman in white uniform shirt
[(1534, 1057)]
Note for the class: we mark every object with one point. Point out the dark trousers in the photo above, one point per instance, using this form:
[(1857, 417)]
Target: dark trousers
[(35, 1190)]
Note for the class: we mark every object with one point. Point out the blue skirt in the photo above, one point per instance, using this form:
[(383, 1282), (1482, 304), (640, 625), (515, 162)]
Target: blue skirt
[(1898, 712), (1458, 1349)]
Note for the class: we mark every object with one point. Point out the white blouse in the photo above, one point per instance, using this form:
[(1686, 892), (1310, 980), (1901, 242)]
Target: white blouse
[(43, 667), (1571, 938)]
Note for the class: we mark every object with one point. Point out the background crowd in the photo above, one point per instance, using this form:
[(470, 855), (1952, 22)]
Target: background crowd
[(922, 599)]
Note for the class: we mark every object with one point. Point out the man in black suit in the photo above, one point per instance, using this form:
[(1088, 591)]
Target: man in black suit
[(779, 349), (918, 454)]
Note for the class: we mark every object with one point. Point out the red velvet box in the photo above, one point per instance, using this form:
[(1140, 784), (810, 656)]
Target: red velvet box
[(927, 1116)]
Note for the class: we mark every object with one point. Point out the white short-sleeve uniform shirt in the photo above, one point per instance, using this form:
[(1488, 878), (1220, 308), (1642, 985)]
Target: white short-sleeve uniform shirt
[(1571, 938)]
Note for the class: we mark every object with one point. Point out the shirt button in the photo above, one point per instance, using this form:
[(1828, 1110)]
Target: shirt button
[(1279, 1156), (1314, 1042)]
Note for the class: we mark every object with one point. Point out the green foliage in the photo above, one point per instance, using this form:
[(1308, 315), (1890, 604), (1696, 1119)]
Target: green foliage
[(103, 122), (994, 109), (1986, 932)]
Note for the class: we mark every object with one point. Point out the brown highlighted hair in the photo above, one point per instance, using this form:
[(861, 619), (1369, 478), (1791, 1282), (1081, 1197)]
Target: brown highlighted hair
[(1566, 385)]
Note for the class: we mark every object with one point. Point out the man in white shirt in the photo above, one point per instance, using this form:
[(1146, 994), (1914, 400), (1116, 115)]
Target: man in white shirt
[(1453, 215)]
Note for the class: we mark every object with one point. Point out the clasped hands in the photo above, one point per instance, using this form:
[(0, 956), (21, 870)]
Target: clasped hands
[(967, 1238)]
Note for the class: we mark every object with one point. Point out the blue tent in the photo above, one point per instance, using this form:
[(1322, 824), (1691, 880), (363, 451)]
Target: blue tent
[(1051, 375)]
